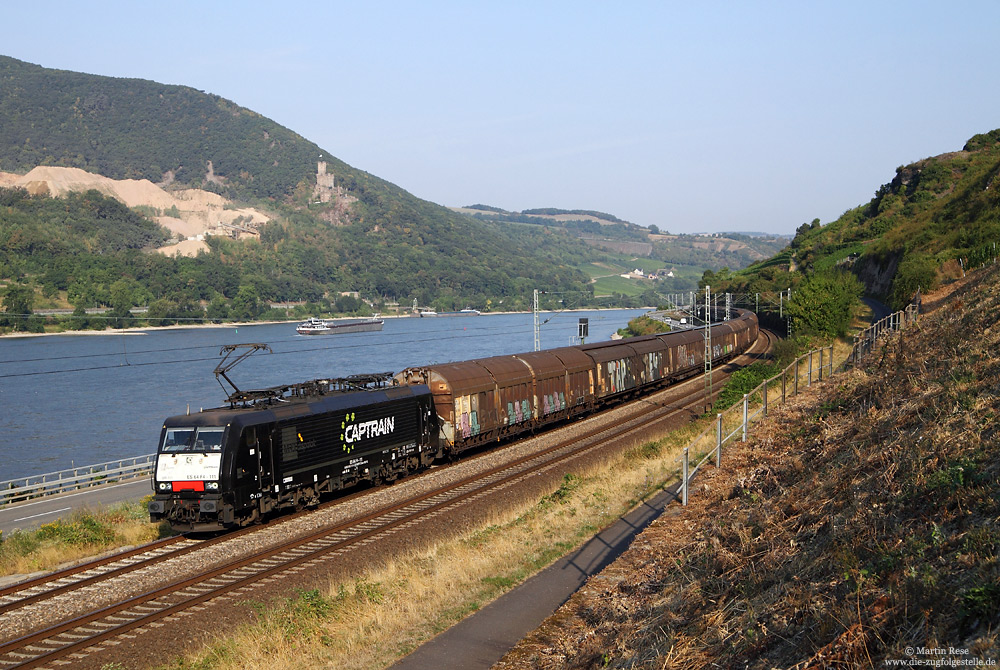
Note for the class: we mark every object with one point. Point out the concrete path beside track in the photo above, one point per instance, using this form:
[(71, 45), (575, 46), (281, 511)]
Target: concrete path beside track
[(481, 639)]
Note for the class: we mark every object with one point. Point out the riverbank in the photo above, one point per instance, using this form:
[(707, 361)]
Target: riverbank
[(143, 330)]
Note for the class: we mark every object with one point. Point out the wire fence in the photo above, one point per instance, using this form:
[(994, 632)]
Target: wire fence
[(735, 423)]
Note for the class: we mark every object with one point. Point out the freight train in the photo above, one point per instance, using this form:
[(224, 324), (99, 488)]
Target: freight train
[(286, 446)]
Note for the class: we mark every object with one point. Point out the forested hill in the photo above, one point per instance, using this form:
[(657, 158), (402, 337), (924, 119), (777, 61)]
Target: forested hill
[(132, 128), (372, 236), (177, 135)]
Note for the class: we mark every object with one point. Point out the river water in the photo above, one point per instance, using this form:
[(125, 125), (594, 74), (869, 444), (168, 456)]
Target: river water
[(74, 400)]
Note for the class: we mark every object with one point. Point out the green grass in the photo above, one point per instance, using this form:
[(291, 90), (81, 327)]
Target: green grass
[(82, 534), (595, 270), (646, 264), (781, 260), (830, 261), (616, 284)]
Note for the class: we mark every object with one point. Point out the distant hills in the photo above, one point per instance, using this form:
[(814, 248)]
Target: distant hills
[(608, 232), (138, 129)]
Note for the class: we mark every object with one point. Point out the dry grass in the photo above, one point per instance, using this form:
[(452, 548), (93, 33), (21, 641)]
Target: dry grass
[(866, 521), (82, 535)]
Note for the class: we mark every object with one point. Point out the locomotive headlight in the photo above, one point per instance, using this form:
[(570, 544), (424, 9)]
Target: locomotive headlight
[(212, 486), (164, 486)]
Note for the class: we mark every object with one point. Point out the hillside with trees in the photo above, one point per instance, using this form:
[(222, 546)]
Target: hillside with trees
[(138, 129), (608, 232), (371, 237), (937, 218)]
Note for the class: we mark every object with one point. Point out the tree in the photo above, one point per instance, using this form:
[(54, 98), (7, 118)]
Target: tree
[(348, 304), (18, 301), (915, 271), (79, 320), (122, 301), (160, 312), (245, 304), (823, 303), (218, 310)]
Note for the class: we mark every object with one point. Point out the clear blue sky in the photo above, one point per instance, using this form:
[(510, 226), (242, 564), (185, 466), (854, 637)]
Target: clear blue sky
[(701, 116)]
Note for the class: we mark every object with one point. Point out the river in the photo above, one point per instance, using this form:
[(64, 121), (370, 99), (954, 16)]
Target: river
[(73, 400)]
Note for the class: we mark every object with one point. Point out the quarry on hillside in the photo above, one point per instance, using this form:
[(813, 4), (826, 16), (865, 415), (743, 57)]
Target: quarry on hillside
[(190, 214)]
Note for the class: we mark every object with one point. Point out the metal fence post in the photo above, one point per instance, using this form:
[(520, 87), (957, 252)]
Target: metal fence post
[(795, 385), (784, 373), (746, 406), (765, 398), (809, 379), (821, 363), (684, 486), (718, 440)]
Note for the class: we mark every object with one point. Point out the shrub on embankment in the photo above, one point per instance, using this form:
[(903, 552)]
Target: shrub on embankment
[(82, 534)]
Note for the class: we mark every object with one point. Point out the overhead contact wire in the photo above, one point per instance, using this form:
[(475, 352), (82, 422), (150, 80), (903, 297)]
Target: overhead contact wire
[(213, 358)]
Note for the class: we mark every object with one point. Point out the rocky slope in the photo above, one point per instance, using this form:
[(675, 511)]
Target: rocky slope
[(188, 213)]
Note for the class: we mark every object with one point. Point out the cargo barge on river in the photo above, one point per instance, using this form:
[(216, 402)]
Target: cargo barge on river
[(314, 326)]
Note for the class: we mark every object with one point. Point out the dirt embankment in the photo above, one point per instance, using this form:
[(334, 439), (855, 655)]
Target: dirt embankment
[(188, 213), (861, 525)]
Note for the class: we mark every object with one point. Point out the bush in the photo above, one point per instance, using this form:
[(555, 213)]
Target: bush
[(824, 303), (743, 382), (785, 351), (84, 530), (915, 271)]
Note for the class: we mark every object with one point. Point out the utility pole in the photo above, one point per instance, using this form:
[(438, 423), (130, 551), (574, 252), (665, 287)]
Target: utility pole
[(534, 311), (708, 349), (788, 323)]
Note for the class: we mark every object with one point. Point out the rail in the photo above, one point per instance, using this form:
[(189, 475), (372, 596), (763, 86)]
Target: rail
[(736, 421), (74, 479)]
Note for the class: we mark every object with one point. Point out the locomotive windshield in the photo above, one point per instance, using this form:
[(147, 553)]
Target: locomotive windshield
[(192, 439)]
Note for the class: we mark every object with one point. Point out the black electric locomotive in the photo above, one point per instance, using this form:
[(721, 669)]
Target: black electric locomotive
[(226, 467)]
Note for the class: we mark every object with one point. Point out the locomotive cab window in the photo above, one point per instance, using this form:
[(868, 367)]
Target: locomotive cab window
[(192, 439)]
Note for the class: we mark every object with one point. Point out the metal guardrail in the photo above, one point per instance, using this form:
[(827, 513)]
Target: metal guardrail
[(735, 422), (74, 479)]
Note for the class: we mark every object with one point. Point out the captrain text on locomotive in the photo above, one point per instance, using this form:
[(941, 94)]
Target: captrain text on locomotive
[(285, 447)]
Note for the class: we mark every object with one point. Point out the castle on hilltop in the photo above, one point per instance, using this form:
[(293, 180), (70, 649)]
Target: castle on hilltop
[(324, 190)]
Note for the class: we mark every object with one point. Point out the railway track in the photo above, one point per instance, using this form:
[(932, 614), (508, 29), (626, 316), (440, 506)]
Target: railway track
[(82, 633)]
